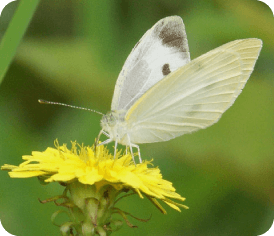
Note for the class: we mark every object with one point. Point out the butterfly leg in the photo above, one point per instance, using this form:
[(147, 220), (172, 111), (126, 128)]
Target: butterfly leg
[(139, 154), (98, 138), (104, 142), (130, 148), (132, 155), (115, 148)]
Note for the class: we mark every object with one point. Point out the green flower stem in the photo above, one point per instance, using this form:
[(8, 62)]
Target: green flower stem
[(93, 208)]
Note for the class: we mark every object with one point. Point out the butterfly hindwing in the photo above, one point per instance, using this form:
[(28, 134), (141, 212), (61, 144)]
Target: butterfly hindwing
[(195, 96)]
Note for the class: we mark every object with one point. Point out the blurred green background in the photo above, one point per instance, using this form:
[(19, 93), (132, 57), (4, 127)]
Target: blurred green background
[(73, 52)]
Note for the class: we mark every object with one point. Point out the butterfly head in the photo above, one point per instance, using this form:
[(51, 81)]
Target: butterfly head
[(108, 120), (114, 124)]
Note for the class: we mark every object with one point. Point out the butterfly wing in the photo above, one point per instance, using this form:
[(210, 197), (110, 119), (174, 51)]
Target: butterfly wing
[(194, 96), (162, 49)]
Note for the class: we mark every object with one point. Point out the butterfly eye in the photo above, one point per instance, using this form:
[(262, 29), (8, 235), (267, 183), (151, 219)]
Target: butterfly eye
[(110, 119)]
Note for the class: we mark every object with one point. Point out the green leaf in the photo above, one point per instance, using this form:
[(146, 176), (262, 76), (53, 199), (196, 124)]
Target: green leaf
[(15, 33)]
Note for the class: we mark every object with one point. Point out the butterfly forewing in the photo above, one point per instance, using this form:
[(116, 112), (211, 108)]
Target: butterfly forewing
[(162, 50), (194, 96)]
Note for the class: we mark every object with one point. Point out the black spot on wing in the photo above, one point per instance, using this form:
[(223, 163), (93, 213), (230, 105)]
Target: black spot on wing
[(166, 69)]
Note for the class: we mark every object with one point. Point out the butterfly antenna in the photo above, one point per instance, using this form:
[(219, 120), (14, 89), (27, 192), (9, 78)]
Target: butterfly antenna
[(66, 105)]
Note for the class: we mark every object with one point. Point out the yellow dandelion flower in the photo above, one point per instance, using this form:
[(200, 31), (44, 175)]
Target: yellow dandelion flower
[(91, 177)]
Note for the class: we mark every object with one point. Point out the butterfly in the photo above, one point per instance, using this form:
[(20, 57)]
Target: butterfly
[(161, 94)]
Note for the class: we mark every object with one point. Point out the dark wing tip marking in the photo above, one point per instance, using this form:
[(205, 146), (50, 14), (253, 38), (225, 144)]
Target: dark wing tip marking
[(173, 35), (166, 69)]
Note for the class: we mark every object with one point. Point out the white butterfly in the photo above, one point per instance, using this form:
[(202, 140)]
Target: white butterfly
[(161, 94)]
